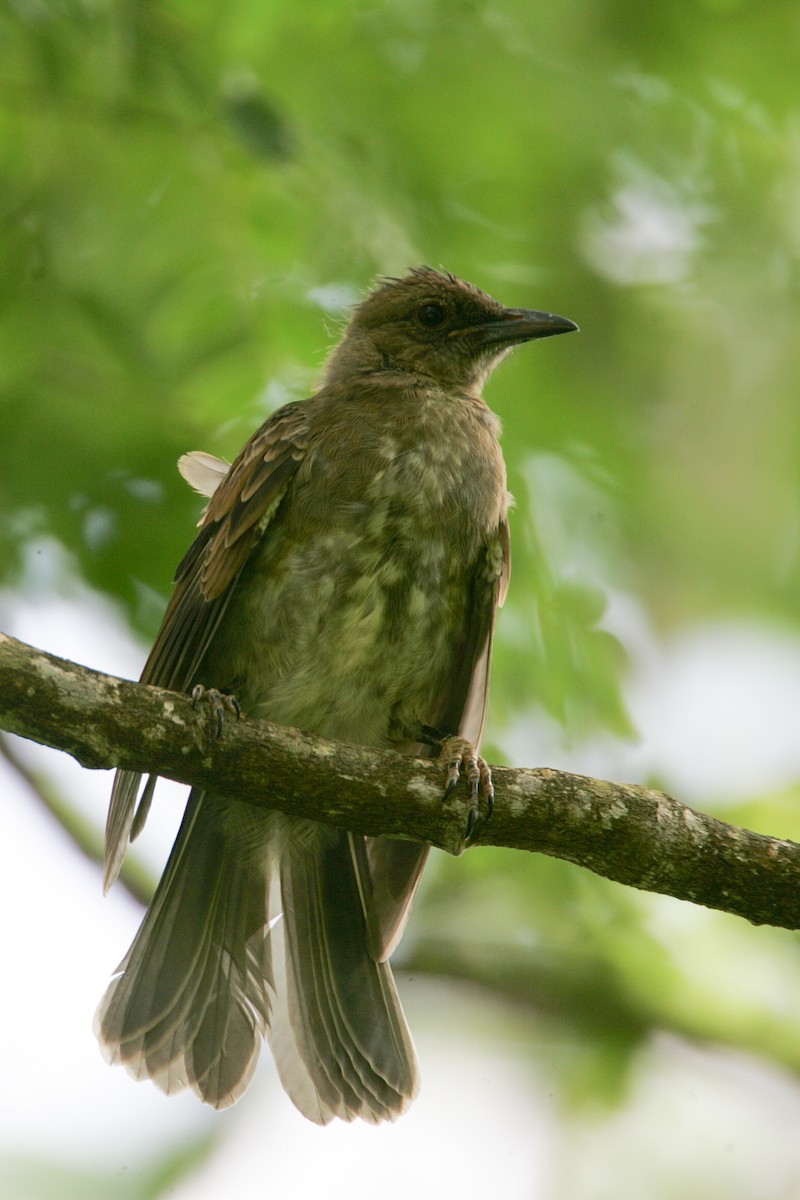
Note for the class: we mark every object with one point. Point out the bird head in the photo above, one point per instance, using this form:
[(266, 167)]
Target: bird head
[(435, 327)]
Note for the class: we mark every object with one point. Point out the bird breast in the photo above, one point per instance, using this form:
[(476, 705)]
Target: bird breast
[(351, 608)]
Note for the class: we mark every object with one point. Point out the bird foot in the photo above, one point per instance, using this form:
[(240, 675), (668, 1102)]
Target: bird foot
[(218, 704), (462, 759)]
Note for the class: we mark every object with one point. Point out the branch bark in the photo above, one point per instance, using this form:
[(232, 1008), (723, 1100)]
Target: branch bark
[(630, 834)]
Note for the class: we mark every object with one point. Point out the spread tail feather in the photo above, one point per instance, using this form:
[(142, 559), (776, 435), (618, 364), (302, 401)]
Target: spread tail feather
[(208, 973), (192, 998), (342, 1006)]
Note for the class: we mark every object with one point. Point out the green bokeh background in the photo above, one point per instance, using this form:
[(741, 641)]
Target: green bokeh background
[(193, 193)]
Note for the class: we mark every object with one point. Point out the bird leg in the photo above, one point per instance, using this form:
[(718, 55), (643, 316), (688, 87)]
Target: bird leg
[(462, 759), (218, 704)]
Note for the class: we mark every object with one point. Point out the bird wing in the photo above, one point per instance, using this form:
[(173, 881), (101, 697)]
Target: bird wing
[(243, 503), (461, 707), (389, 870)]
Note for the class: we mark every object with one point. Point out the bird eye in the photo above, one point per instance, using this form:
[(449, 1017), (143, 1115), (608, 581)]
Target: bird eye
[(431, 315)]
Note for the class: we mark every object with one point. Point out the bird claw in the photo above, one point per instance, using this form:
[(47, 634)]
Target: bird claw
[(218, 704), (461, 759)]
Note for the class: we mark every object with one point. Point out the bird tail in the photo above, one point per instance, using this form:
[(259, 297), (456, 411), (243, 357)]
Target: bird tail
[(209, 972), (338, 1034)]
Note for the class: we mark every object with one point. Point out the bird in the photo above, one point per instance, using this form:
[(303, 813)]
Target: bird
[(344, 580)]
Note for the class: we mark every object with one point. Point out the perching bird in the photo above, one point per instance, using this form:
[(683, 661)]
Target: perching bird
[(344, 581)]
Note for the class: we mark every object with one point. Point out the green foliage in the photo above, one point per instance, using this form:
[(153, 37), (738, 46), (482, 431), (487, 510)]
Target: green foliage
[(184, 185), (183, 188), (28, 1178)]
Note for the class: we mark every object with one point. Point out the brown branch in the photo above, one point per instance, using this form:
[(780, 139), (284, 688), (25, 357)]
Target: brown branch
[(630, 834)]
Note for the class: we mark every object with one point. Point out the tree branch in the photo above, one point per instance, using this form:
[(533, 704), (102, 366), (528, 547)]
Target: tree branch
[(633, 835)]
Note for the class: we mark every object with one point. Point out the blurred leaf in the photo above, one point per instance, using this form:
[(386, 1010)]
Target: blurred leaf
[(257, 120), (27, 1178)]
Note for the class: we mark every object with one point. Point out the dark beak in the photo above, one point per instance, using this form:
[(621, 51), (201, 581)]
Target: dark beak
[(525, 324)]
